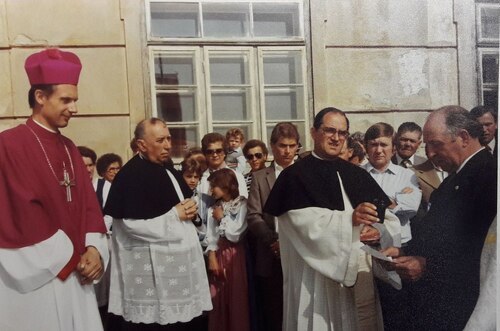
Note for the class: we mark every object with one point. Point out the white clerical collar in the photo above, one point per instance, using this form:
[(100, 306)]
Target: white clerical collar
[(467, 160), (43, 126)]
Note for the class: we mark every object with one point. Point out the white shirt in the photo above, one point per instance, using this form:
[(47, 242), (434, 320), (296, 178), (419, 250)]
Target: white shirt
[(392, 181)]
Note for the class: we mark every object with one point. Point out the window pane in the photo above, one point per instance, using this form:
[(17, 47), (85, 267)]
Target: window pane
[(489, 22), (490, 68), (284, 104), (229, 70), (230, 105), (283, 68), (182, 140), (490, 98), (276, 20), (174, 19), (225, 19), (174, 70), (222, 129), (176, 106)]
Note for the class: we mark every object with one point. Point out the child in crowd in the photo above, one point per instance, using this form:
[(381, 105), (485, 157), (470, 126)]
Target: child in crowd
[(226, 254), (235, 158), (197, 154), (191, 172)]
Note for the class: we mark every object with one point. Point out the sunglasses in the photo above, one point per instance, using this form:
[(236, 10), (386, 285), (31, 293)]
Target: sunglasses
[(258, 156), (214, 151)]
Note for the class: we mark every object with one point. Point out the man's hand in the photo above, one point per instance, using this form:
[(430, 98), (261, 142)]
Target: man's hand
[(187, 210), (392, 252), (369, 235), (410, 267), (365, 213), (217, 213), (90, 265)]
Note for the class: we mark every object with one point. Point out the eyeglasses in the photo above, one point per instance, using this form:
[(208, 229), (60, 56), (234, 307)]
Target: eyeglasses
[(113, 169), (330, 132), (214, 151), (258, 156)]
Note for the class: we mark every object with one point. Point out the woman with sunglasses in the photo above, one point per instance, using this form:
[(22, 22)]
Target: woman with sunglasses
[(255, 151)]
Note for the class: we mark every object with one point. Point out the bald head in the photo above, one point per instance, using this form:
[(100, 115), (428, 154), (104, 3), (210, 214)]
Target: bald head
[(451, 135)]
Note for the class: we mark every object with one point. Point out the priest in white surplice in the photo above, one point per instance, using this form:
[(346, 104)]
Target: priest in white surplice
[(324, 209), (158, 277)]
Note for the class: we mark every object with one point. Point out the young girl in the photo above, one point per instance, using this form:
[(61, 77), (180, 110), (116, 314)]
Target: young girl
[(226, 254)]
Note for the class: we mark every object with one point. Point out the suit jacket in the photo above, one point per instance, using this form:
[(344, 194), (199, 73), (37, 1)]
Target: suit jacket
[(451, 239), (417, 159), (260, 224), (428, 179)]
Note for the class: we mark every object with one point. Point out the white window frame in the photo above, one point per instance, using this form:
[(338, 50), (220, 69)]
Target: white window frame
[(203, 106), (480, 38), (305, 140), (482, 85), (296, 39)]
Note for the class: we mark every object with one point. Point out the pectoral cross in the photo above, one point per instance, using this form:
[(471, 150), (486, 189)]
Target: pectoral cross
[(68, 183)]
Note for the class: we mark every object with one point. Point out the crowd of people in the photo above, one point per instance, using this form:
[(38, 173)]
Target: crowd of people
[(360, 233)]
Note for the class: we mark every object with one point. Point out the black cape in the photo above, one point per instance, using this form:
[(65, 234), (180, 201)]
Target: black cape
[(312, 182), (143, 190)]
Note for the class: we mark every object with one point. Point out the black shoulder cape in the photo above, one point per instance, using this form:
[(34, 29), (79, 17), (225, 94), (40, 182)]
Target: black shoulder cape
[(143, 190), (312, 182)]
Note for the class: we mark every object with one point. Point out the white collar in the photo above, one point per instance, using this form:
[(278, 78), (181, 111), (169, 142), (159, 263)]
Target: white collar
[(43, 126)]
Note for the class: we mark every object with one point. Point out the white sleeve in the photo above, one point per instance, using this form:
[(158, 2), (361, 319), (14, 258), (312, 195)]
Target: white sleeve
[(28, 268), (166, 227), (234, 225), (326, 239), (408, 203), (390, 230), (212, 235)]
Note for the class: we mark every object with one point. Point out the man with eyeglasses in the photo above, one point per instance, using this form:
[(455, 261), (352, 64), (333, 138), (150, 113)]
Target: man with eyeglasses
[(321, 203), (285, 140)]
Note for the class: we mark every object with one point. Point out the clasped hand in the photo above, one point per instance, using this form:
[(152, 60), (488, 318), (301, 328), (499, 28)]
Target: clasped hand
[(90, 266), (187, 210)]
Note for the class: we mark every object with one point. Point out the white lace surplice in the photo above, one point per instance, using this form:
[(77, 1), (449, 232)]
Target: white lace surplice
[(158, 271)]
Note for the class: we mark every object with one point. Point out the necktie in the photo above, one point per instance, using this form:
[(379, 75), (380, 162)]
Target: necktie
[(405, 163)]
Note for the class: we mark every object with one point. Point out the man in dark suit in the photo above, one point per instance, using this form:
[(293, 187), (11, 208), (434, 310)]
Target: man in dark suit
[(269, 277), (487, 117), (408, 140), (442, 261)]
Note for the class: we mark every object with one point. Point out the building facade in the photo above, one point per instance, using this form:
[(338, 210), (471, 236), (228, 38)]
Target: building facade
[(208, 65)]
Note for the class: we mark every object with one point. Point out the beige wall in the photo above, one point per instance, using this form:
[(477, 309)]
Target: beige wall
[(109, 103), (384, 60)]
